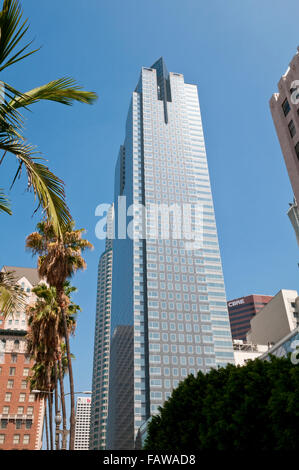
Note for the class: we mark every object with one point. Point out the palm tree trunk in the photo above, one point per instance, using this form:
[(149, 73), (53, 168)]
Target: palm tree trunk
[(62, 403), (50, 404), (62, 304), (46, 424), (56, 407)]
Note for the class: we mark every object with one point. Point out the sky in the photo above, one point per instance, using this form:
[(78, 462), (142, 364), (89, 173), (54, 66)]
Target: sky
[(235, 52)]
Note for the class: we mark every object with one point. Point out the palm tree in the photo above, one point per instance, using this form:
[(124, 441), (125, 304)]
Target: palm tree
[(45, 343), (12, 296), (59, 258), (39, 380), (47, 187)]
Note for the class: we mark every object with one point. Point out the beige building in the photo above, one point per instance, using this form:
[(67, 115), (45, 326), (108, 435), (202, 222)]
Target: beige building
[(284, 107), (276, 320)]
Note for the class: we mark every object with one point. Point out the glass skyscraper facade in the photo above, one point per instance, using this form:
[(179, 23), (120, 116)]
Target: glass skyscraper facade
[(170, 292)]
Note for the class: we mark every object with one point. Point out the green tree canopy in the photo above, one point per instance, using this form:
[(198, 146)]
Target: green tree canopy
[(254, 407)]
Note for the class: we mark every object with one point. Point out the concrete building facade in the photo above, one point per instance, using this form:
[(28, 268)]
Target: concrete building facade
[(276, 320), (284, 107)]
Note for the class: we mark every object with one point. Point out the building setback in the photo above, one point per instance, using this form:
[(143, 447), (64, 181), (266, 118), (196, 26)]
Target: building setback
[(100, 378), (82, 423), (284, 107), (242, 310), (21, 412), (170, 292)]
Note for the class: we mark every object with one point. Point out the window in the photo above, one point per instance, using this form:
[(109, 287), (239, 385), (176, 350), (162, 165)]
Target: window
[(20, 410), (10, 383), (292, 128), (18, 424), (23, 384), (297, 149), (285, 107), (30, 410), (28, 424), (16, 439), (22, 397), (4, 423), (7, 396), (12, 371), (31, 397), (2, 438), (26, 439), (26, 372)]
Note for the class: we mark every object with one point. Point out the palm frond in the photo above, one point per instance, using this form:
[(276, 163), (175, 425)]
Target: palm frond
[(12, 30), (4, 203), (63, 90), (12, 296), (48, 189)]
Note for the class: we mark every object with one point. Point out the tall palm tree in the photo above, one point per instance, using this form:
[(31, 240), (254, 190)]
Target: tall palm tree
[(45, 342), (47, 187), (59, 258)]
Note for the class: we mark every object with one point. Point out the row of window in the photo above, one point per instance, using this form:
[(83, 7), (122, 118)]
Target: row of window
[(12, 371), (16, 439), (20, 410), (22, 397)]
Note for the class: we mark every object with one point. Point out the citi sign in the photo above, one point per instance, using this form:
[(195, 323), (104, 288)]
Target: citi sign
[(236, 302)]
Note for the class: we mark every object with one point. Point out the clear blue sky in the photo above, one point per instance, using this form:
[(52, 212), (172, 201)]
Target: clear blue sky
[(235, 51)]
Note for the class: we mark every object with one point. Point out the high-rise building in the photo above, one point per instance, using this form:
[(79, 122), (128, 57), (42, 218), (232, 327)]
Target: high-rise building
[(82, 426), (170, 291), (284, 107), (21, 412), (277, 319), (100, 378), (241, 311)]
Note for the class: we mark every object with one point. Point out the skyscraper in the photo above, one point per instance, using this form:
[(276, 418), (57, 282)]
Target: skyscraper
[(284, 107), (100, 379), (82, 427), (167, 289)]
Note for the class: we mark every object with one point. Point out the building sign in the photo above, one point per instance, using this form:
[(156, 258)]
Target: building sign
[(236, 302)]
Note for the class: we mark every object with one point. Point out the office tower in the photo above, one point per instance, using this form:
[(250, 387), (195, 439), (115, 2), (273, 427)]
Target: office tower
[(241, 311), (82, 427), (276, 320), (100, 379), (284, 107), (169, 290), (21, 412)]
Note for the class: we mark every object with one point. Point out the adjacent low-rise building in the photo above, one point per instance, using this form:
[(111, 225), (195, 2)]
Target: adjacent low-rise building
[(21, 412), (276, 320), (242, 310)]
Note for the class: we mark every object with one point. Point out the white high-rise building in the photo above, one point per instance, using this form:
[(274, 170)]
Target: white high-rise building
[(167, 290), (82, 423)]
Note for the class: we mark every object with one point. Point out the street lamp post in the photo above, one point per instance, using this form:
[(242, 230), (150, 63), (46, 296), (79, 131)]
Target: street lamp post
[(58, 419)]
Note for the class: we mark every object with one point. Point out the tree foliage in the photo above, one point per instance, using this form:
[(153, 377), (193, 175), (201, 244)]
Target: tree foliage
[(255, 407)]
